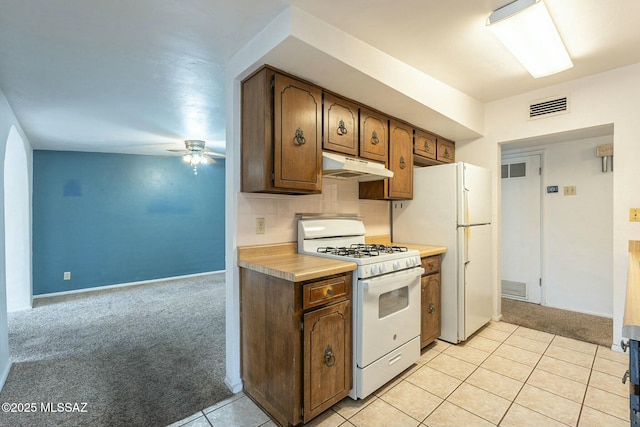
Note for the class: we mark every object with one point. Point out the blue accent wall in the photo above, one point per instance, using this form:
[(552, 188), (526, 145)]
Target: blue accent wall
[(120, 218)]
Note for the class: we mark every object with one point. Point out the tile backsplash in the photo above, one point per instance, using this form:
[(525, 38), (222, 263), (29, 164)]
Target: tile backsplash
[(338, 196)]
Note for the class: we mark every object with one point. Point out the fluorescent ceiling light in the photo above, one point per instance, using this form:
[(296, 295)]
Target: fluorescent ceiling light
[(527, 31)]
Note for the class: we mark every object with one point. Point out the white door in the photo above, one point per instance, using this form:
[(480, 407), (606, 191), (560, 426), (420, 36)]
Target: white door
[(521, 268)]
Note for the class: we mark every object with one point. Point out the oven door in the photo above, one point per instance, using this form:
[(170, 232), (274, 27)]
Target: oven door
[(387, 313)]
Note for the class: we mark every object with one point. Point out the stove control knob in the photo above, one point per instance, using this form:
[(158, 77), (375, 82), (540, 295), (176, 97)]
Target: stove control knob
[(383, 269), (410, 262), (396, 265), (374, 270)]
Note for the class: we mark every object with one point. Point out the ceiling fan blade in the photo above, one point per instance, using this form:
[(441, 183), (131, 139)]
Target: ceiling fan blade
[(214, 154)]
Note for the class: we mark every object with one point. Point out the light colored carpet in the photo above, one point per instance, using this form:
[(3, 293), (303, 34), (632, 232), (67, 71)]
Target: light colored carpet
[(145, 355), (569, 324)]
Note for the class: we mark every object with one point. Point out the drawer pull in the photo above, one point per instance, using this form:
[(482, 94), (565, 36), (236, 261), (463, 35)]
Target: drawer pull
[(426, 146), (625, 377), (342, 129), (374, 138), (624, 345), (330, 292), (329, 357), (432, 308), (402, 163)]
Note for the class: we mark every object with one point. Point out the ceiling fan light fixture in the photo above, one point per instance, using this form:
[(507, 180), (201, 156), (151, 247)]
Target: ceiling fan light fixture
[(196, 156), (526, 29)]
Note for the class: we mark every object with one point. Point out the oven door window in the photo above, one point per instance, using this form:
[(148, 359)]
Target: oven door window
[(393, 301)]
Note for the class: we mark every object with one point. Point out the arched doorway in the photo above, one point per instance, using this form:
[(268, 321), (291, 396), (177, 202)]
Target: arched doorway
[(17, 224)]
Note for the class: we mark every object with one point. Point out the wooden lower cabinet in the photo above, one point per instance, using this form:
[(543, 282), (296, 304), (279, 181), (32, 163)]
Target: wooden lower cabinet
[(430, 304), (296, 345)]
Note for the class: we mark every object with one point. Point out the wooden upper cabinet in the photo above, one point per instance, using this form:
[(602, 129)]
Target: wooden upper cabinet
[(400, 163), (424, 146), (446, 151), (281, 134), (373, 135), (430, 149), (400, 160), (340, 125)]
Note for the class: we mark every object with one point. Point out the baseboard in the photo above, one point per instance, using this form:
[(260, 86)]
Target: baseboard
[(122, 285), (497, 318), (4, 375), (13, 310), (235, 386), (608, 316)]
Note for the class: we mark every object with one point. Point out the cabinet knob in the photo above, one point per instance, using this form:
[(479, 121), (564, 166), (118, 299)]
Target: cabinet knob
[(426, 146), (432, 308), (300, 140), (625, 377), (329, 357), (402, 163), (624, 345), (374, 138), (446, 153), (342, 129), (330, 292)]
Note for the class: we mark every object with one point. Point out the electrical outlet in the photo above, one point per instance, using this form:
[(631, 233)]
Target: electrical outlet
[(570, 190), (67, 275), (634, 214), (259, 225)]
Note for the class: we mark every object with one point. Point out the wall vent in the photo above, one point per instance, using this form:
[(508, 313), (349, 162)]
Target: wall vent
[(548, 107), (517, 290)]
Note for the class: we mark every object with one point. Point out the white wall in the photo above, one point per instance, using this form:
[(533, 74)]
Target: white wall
[(607, 98), (338, 196), (576, 235), (17, 215), (7, 121)]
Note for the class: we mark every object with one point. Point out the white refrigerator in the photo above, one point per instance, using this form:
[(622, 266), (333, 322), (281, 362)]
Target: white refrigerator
[(451, 207)]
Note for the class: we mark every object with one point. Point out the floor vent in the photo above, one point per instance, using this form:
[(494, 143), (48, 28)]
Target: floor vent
[(514, 289), (545, 108)]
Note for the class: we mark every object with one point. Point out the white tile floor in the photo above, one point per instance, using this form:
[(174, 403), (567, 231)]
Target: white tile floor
[(504, 375)]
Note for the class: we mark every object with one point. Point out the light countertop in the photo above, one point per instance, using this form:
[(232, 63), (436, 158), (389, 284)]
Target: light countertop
[(283, 261)]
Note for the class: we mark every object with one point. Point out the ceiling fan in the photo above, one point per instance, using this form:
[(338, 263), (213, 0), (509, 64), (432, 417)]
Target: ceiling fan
[(195, 153)]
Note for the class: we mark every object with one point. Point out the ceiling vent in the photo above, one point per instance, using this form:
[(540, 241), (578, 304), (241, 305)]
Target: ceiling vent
[(548, 107)]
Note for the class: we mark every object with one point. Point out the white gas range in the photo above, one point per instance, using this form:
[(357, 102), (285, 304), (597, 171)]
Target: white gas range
[(386, 297)]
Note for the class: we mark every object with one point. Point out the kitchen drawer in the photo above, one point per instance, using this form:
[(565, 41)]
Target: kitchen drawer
[(431, 264), (326, 291)]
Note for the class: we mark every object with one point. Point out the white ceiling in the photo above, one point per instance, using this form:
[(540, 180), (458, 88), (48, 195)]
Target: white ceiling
[(142, 76)]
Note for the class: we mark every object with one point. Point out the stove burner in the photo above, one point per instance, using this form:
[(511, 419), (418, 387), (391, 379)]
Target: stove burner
[(361, 250)]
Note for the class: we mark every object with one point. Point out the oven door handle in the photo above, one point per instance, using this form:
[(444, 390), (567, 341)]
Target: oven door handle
[(378, 281)]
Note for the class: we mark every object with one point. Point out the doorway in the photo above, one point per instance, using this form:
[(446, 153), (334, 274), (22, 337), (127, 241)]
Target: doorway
[(17, 224), (521, 269)]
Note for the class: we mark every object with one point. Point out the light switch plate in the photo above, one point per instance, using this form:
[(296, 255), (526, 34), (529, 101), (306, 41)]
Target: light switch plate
[(634, 214)]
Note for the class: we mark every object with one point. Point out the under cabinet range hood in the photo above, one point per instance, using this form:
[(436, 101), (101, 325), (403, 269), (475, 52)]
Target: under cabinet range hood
[(338, 166)]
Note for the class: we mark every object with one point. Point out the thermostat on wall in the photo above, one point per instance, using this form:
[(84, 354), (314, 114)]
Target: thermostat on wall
[(552, 189)]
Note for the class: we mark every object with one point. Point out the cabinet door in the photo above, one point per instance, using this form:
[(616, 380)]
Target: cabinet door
[(400, 160), (373, 135), (446, 151), (424, 147), (340, 125), (297, 134), (327, 357), (430, 325)]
